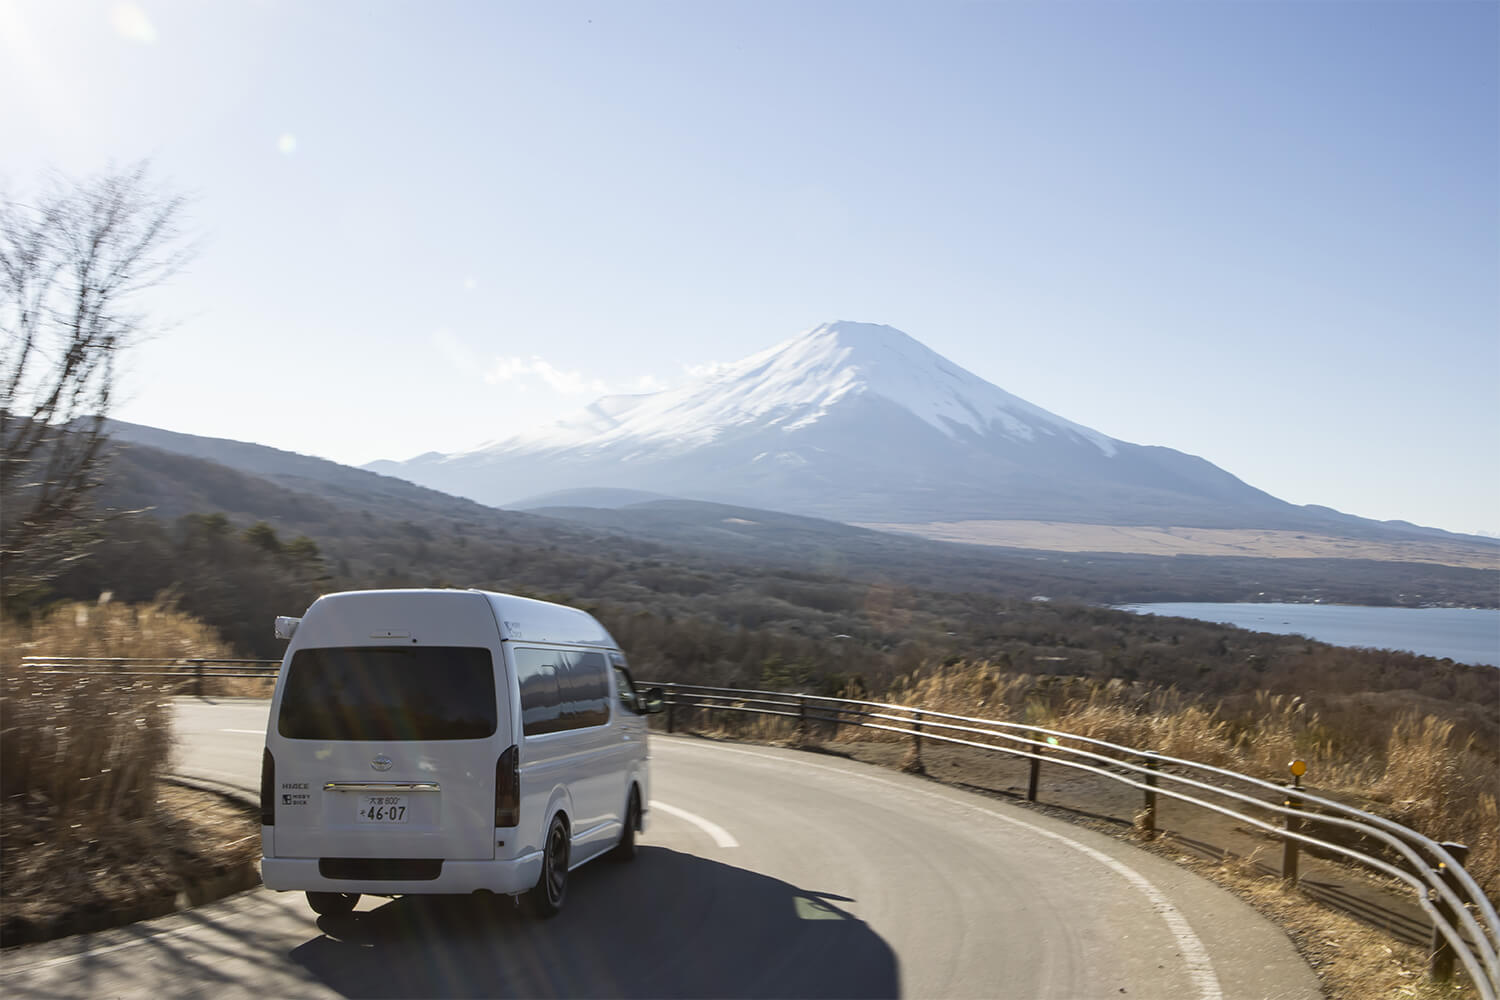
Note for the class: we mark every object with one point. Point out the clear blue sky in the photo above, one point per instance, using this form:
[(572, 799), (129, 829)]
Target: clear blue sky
[(1267, 234)]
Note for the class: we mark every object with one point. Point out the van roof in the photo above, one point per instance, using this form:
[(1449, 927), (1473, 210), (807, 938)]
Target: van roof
[(543, 621), (519, 618)]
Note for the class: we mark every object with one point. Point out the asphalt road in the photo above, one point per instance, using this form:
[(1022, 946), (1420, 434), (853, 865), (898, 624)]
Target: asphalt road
[(763, 873)]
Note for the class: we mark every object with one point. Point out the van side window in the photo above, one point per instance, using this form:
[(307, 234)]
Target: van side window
[(561, 690), (536, 673)]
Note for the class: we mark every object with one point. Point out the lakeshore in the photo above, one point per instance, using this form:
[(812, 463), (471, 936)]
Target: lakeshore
[(1464, 635)]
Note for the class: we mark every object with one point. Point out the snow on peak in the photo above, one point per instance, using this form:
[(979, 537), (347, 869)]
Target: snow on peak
[(835, 360), (796, 382)]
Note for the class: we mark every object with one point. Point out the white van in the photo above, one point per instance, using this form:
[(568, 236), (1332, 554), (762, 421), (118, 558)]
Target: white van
[(448, 741)]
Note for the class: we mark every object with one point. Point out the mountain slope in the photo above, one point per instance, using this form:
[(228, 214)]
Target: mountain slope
[(182, 488), (859, 422), (392, 532)]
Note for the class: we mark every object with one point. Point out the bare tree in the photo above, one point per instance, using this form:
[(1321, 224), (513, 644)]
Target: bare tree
[(71, 264)]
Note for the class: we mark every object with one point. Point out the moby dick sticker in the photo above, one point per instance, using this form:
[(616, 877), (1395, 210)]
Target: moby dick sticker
[(294, 793)]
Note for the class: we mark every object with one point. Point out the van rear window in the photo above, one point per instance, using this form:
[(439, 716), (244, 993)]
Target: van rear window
[(389, 693)]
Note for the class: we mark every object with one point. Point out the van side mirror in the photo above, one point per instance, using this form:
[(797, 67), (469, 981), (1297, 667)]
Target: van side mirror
[(653, 701)]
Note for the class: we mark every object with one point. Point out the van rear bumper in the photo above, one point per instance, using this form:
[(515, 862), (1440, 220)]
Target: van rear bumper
[(507, 877)]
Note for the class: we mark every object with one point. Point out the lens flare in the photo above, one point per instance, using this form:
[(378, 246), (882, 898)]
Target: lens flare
[(132, 24)]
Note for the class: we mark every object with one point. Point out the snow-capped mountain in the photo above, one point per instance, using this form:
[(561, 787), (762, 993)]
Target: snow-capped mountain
[(857, 422), (794, 385)]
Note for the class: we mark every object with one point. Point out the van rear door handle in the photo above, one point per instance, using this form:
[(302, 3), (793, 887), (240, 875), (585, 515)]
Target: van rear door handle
[(381, 786)]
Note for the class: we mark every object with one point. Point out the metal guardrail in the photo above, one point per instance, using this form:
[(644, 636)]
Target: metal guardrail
[(1463, 918), (1465, 926), (196, 669)]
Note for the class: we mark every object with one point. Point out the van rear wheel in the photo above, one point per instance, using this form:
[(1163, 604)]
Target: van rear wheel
[(332, 904), (546, 899), (625, 849)]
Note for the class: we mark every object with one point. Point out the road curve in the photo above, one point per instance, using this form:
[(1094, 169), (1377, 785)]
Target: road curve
[(764, 873)]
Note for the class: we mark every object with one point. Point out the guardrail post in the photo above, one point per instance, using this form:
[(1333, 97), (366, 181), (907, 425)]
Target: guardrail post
[(801, 718), (1440, 968), (671, 693), (1036, 768), (1150, 821), (913, 762), (198, 671), (1289, 846)]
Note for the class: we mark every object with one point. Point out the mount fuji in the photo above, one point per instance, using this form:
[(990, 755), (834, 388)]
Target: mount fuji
[(859, 422)]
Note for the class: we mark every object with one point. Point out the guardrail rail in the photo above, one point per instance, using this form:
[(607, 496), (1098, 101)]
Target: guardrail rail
[(1464, 924), (197, 669)]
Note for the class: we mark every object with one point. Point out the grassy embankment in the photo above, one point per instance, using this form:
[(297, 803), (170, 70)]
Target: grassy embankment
[(1407, 767), (1373, 752), (89, 834)]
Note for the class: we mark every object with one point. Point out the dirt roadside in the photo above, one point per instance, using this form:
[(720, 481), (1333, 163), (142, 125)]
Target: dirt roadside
[(200, 846)]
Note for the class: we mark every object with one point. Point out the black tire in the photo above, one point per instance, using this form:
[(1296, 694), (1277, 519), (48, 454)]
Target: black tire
[(546, 899), (332, 904), (625, 849)]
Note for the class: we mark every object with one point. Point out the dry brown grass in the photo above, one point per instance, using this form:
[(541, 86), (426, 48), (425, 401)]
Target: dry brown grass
[(1446, 789), (196, 847), (83, 754), (108, 628), (1352, 960), (1417, 774), (156, 630)]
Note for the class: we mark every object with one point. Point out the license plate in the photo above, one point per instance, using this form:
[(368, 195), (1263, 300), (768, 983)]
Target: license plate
[(383, 809)]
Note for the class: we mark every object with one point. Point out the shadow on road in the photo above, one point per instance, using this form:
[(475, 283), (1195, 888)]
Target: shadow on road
[(667, 925)]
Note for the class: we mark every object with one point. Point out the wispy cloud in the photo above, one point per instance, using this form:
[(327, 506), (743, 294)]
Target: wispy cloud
[(519, 371), (535, 372), (707, 370)]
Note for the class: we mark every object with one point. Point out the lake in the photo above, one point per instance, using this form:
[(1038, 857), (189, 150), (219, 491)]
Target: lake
[(1468, 635)]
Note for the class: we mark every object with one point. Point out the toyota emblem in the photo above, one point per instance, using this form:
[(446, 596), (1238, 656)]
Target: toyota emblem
[(381, 763)]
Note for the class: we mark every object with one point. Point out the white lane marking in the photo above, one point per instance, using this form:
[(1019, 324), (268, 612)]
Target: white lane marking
[(721, 836), (252, 732), (1195, 956)]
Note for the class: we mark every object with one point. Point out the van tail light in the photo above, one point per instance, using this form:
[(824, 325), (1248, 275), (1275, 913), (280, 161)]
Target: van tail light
[(267, 789), (508, 788)]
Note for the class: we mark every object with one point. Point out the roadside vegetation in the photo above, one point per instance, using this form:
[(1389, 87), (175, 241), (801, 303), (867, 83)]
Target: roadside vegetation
[(90, 835), (1383, 758), (1376, 755)]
